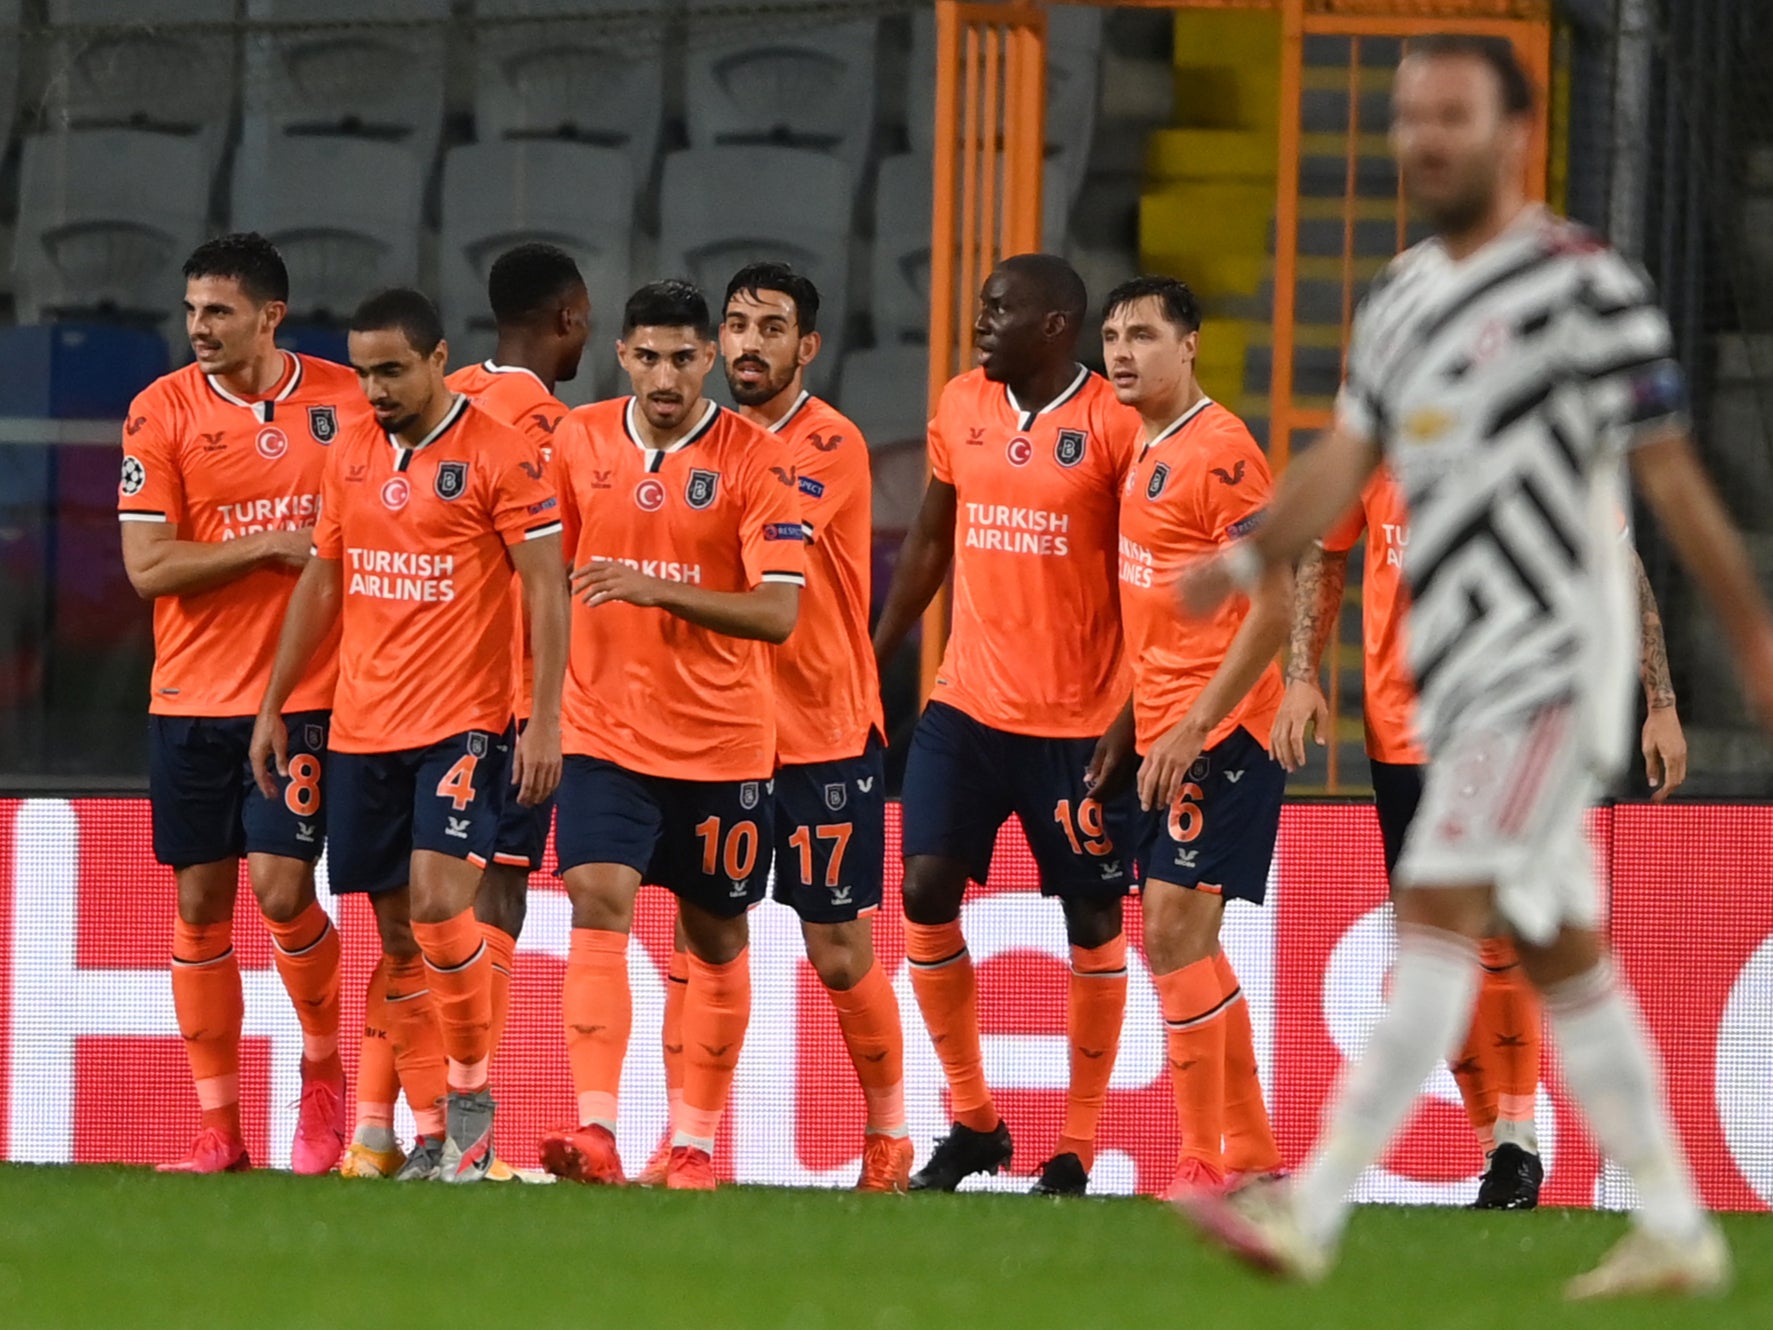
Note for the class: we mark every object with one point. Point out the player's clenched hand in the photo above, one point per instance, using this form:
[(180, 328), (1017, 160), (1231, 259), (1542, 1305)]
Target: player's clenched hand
[(270, 745), (1166, 765), (1665, 752), (536, 771), (1302, 709), (291, 548), (604, 580)]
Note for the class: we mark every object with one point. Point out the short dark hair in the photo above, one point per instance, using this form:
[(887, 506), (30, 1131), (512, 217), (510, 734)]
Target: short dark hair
[(672, 303), (1179, 304), (772, 276), (1055, 280), (1498, 53), (249, 259), (528, 280), (406, 309)]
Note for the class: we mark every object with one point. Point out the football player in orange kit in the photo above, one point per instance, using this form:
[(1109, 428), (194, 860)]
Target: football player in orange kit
[(422, 520), (542, 312), (1204, 698), (221, 482), (683, 524), (1027, 454), (1498, 1069)]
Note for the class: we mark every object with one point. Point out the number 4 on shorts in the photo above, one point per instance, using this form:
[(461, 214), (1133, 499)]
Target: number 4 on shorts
[(457, 784)]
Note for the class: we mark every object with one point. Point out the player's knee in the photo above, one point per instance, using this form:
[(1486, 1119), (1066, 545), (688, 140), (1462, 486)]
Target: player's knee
[(1181, 926), (933, 890), (713, 940), (504, 899), (1092, 923), (840, 954), (284, 897), (206, 893), (394, 927), (1467, 911)]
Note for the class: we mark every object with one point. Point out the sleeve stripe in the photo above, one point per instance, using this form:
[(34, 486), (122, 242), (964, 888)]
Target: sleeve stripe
[(142, 517), (791, 579), (546, 529)]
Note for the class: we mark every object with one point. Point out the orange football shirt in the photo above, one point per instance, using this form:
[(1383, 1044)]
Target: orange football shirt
[(645, 689), (1388, 687), (216, 466), (1035, 642), (517, 397), (1196, 487), (827, 686), (421, 534)]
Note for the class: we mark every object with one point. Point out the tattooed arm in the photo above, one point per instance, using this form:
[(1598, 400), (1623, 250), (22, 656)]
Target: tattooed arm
[(1664, 746), (1317, 602)]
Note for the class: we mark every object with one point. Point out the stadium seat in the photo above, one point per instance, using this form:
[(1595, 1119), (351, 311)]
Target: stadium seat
[(106, 220), (9, 44), (382, 81), (810, 84), (1074, 47), (598, 82), (345, 213), (496, 195), (901, 296), (131, 62), (724, 207), (885, 390)]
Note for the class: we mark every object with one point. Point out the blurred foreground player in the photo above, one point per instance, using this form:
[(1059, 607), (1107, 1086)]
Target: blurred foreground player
[(1027, 454), (221, 482), (684, 528), (1507, 370), (423, 518), (1204, 698), (1498, 1069)]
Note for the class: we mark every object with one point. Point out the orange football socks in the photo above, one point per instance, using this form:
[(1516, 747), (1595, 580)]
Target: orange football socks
[(207, 998), (377, 1084), (1095, 1009), (1249, 1138), (716, 1010), (461, 971), (306, 950), (671, 1035), (597, 1008), (1194, 1006), (502, 948), (948, 996), (868, 1016), (417, 1041)]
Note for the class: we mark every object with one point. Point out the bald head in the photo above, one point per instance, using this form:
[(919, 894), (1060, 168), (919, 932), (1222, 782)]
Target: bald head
[(1053, 280), (1031, 311)]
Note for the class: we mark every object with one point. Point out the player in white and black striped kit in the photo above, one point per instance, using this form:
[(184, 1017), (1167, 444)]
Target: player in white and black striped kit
[(1508, 370)]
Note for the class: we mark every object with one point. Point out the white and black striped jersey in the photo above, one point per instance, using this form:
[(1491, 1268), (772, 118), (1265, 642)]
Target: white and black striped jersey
[(1505, 389)]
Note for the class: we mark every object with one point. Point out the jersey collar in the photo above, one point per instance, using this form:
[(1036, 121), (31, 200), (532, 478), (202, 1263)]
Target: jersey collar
[(265, 407), (1026, 419), (403, 452), (1176, 426), (655, 457), (491, 367), (793, 411)]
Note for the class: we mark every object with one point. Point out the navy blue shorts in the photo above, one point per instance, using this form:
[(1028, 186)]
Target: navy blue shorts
[(523, 832), (963, 780), (1219, 834), (206, 805), (446, 797), (1397, 789), (831, 836), (707, 842)]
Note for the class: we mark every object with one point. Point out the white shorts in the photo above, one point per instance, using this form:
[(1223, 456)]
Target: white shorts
[(1506, 804)]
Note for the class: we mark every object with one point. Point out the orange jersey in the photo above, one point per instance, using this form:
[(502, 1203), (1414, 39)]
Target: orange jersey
[(827, 686), (1196, 487), (1389, 689), (1035, 644), (421, 535), (517, 397), (215, 466), (721, 509)]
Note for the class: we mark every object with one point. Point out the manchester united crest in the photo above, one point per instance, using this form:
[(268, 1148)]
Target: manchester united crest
[(452, 480), (701, 489)]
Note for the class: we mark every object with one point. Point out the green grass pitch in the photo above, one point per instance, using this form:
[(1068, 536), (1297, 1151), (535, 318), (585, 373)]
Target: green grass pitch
[(122, 1247)]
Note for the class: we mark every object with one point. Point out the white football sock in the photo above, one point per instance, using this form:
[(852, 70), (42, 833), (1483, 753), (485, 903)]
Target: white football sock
[(1433, 987), (1614, 1077)]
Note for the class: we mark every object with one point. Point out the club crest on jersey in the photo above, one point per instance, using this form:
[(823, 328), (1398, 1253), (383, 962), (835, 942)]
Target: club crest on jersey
[(1069, 450), (135, 475), (323, 423), (748, 795), (452, 480), (1200, 769), (836, 796), (701, 489), (1160, 476), (314, 736), (395, 493), (649, 495), (476, 744), (272, 443), (1020, 451)]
